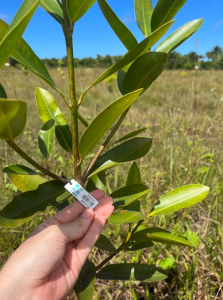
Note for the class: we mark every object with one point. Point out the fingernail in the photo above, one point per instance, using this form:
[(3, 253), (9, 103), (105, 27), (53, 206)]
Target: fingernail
[(87, 213)]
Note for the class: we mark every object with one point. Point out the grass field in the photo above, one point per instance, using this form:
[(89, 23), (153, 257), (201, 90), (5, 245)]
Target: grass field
[(183, 112)]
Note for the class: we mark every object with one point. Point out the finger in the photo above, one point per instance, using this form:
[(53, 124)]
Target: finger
[(76, 257), (72, 211), (78, 228)]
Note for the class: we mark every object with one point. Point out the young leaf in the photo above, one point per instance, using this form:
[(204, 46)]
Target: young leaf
[(132, 55), (24, 206), (53, 7), (148, 68), (104, 121), (2, 92), (25, 55), (132, 272), (125, 217), (84, 286), (45, 138), (165, 11), (134, 176), (12, 118), (16, 29), (76, 9), (179, 36), (180, 198), (48, 109), (128, 151), (123, 33), (128, 194), (143, 13), (105, 244), (161, 236), (130, 135), (19, 170)]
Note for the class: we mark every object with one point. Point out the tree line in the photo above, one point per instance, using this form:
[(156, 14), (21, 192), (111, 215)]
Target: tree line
[(213, 60)]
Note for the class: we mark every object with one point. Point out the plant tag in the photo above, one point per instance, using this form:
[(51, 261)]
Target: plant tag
[(81, 194)]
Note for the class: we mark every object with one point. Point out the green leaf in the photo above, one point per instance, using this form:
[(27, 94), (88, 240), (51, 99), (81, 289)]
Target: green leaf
[(137, 243), (167, 263), (123, 33), (105, 244), (13, 34), (148, 68), (12, 118), (24, 206), (130, 135), (120, 77), (104, 121), (180, 198), (132, 272), (143, 13), (2, 92), (126, 216), (76, 9), (193, 238), (164, 11), (128, 194), (98, 181), (132, 55), (19, 170), (48, 109), (25, 55), (84, 286), (179, 36), (162, 236), (128, 151), (53, 8), (45, 138), (134, 176)]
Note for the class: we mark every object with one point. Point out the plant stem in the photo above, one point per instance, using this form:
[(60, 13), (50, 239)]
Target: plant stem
[(102, 148), (68, 32), (33, 163)]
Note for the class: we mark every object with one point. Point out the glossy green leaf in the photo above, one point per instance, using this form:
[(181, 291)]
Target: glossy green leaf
[(2, 92), (143, 13), (98, 181), (12, 118), (134, 176), (19, 170), (130, 135), (137, 243), (24, 206), (126, 216), (46, 137), (48, 109), (123, 33), (180, 198), (132, 55), (84, 286), (132, 272), (104, 121), (128, 194), (25, 55), (165, 11), (128, 151), (15, 30), (77, 8), (179, 36), (105, 244), (162, 236), (148, 68), (53, 7)]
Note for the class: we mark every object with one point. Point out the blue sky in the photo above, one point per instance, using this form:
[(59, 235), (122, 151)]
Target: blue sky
[(92, 35)]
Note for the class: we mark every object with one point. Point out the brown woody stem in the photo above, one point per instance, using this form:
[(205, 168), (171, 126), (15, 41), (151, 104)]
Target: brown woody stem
[(33, 163)]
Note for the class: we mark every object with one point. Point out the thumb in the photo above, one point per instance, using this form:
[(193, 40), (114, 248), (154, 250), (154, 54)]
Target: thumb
[(79, 227)]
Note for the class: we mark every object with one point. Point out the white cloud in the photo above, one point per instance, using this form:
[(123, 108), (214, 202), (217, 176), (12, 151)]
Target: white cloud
[(218, 24)]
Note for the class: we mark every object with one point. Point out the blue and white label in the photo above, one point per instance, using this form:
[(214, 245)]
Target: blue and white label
[(81, 194)]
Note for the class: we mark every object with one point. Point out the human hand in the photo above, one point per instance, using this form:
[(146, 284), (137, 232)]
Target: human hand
[(47, 265)]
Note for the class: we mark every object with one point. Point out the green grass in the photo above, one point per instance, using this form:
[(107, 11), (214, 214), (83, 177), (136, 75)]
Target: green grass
[(183, 112)]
